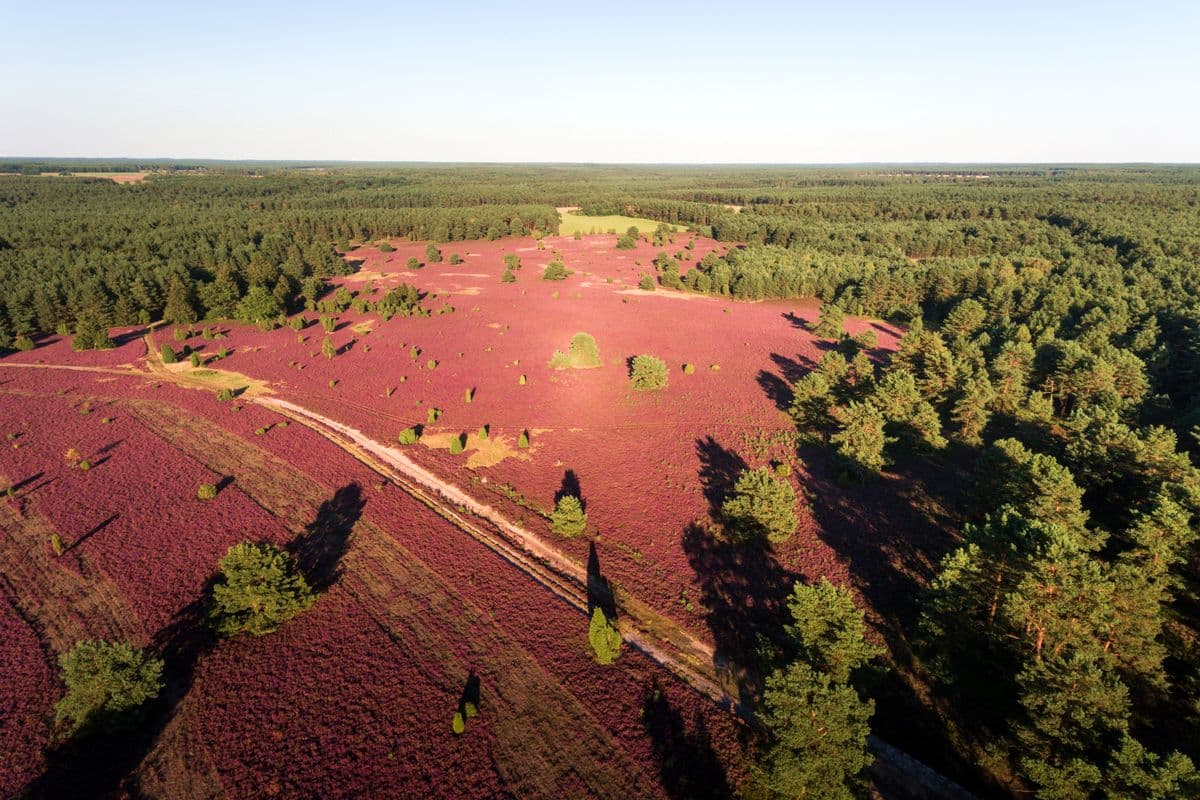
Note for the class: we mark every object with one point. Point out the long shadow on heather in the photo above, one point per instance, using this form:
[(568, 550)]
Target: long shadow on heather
[(688, 764), (742, 584), (320, 548)]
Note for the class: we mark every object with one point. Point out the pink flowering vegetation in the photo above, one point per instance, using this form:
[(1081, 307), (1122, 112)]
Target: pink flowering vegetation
[(622, 444), (133, 513), (27, 695), (128, 350)]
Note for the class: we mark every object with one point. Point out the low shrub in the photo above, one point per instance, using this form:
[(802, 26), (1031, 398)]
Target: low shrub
[(523, 440), (206, 491), (455, 259), (225, 395), (431, 364), (648, 373), (508, 276), (689, 369), (386, 247), (457, 445), (413, 263), (646, 284), (168, 354), (581, 354), (468, 395), (409, 436), (195, 360), (626, 242), (432, 415)]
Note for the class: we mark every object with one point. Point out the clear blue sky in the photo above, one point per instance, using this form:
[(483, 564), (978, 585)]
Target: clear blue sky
[(743, 81)]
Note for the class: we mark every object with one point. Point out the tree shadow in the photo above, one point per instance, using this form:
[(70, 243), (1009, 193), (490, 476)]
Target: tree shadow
[(795, 320), (570, 486), (719, 470), (775, 388), (688, 764), (91, 533), (791, 369), (471, 694), (319, 549), (743, 589), (600, 593)]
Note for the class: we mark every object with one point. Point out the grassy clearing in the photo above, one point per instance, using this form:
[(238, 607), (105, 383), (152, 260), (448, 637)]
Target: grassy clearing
[(573, 221)]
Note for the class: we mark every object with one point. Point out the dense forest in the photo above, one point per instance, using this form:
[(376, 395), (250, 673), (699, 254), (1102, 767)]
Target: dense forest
[(1052, 356)]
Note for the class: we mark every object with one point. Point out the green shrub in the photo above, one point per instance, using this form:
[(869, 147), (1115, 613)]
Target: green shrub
[(689, 369), (483, 432), (626, 242), (646, 284), (555, 271), (108, 685), (260, 589), (207, 491), (180, 334), (648, 373), (568, 519), (168, 354), (458, 725), (413, 263), (783, 470), (762, 505), (195, 360), (56, 543), (329, 324), (468, 395), (582, 354), (604, 638), (512, 261), (225, 395), (508, 277), (408, 436), (414, 352), (523, 440), (522, 380), (386, 247), (432, 254), (455, 259), (223, 353), (432, 416), (23, 343), (431, 364), (457, 445)]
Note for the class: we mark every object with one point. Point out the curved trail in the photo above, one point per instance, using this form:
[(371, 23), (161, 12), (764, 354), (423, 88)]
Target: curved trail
[(663, 641)]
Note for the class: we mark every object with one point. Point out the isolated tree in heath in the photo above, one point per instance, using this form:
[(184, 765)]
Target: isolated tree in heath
[(108, 686), (568, 518), (260, 589), (555, 271), (327, 348), (648, 373), (432, 254), (762, 505), (604, 637)]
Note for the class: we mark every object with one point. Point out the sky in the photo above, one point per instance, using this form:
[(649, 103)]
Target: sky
[(669, 82)]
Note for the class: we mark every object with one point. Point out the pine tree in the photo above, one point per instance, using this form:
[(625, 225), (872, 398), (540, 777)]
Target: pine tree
[(604, 638), (108, 685), (180, 307), (818, 735), (971, 411), (762, 506), (831, 322), (259, 590), (860, 439), (828, 630), (327, 348), (568, 518)]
